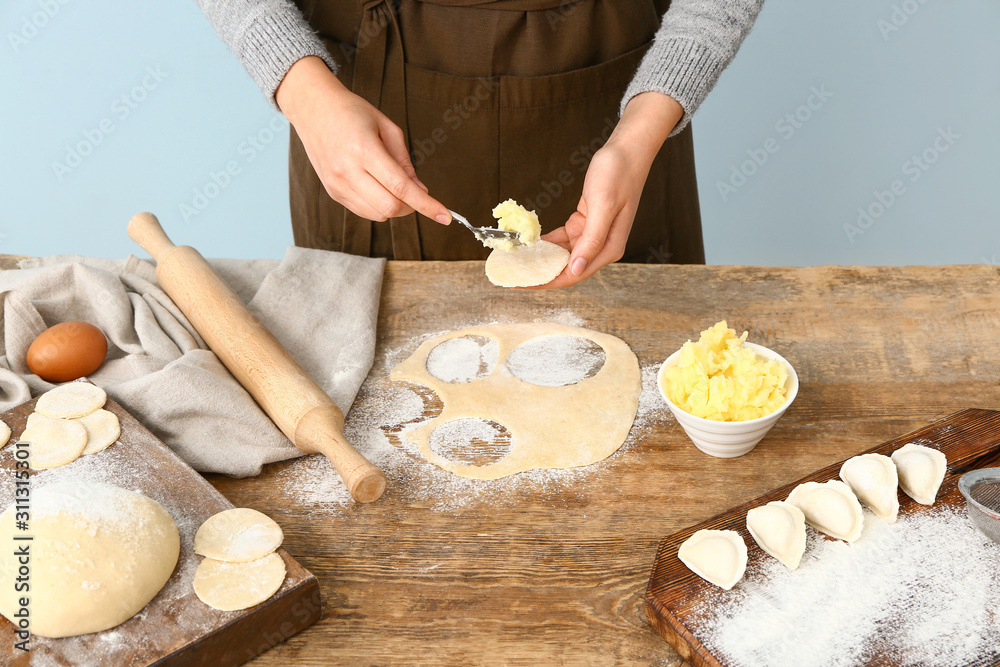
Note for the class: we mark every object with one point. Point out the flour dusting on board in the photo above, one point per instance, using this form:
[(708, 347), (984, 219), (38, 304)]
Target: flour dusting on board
[(923, 591), (385, 411)]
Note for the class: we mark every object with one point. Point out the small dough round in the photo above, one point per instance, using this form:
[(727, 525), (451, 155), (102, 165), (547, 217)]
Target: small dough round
[(103, 429), (4, 434), (54, 442), (233, 586), (73, 399), (99, 554), (238, 535), (527, 266)]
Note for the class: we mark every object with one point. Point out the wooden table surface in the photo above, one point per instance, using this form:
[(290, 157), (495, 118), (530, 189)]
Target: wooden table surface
[(560, 580)]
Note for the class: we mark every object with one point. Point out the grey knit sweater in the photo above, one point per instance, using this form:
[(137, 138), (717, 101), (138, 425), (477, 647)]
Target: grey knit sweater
[(695, 42)]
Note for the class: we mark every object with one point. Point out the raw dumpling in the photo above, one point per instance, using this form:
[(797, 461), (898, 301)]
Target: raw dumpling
[(921, 471), (717, 556), (830, 508), (873, 479), (780, 530)]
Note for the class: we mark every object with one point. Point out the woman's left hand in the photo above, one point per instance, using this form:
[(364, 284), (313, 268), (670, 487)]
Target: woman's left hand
[(597, 232)]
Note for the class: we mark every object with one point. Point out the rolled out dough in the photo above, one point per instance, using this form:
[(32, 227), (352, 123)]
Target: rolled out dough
[(550, 427), (238, 535), (527, 266), (54, 442), (233, 586), (73, 399), (99, 553)]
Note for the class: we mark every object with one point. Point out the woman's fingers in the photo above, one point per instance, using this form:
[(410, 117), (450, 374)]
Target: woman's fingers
[(395, 172), (602, 211)]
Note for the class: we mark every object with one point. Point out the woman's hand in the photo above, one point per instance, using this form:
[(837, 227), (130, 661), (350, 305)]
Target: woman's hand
[(597, 232), (358, 153)]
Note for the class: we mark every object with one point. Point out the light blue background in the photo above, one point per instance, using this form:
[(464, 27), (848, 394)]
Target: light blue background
[(892, 91)]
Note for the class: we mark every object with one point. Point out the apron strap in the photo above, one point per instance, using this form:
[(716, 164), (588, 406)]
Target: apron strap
[(379, 78)]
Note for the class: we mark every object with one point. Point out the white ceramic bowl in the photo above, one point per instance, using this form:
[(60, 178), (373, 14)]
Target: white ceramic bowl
[(730, 439)]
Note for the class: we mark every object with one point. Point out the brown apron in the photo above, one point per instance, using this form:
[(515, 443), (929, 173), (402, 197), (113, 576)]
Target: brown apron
[(498, 99)]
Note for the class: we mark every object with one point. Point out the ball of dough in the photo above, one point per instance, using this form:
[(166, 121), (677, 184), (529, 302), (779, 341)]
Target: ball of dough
[(73, 399), (526, 266), (238, 535), (4, 434), (100, 553), (232, 586), (54, 442)]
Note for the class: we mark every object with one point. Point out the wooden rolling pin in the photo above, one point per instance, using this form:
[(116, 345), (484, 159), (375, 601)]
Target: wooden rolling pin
[(299, 407)]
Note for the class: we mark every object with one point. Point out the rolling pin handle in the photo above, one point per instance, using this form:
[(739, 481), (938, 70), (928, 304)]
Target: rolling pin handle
[(321, 430), (145, 230)]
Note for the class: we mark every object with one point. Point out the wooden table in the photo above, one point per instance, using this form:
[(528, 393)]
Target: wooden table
[(879, 352)]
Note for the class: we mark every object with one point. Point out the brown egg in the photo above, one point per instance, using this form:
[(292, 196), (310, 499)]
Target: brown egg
[(67, 351)]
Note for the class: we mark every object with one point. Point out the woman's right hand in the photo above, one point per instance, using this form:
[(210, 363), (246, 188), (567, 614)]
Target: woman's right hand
[(359, 154)]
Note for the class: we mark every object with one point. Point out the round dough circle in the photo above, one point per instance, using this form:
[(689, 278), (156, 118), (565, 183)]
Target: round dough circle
[(100, 553), (238, 535), (54, 442), (234, 586), (103, 429), (73, 399), (527, 266), (4, 434)]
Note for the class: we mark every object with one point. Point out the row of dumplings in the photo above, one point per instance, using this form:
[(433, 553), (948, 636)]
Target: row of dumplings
[(833, 507)]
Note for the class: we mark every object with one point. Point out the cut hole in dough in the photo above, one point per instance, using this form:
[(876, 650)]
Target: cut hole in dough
[(99, 554), (526, 266), (238, 535), (54, 442), (463, 359), (234, 586), (73, 399), (556, 361), (474, 442)]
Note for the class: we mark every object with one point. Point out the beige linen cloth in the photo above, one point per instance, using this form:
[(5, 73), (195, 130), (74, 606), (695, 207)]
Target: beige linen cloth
[(321, 305)]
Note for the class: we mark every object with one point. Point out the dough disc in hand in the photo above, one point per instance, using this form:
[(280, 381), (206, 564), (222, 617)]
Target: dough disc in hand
[(73, 399), (233, 586), (527, 266), (238, 535), (54, 442)]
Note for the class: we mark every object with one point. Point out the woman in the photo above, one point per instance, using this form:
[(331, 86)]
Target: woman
[(477, 101)]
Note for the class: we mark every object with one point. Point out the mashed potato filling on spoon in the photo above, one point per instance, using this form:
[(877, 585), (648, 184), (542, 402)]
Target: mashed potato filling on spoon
[(511, 264)]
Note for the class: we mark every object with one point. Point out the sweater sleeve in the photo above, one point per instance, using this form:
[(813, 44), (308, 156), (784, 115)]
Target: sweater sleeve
[(696, 41), (267, 36)]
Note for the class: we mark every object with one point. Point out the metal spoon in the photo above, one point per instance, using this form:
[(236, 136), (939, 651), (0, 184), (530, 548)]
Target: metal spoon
[(484, 233)]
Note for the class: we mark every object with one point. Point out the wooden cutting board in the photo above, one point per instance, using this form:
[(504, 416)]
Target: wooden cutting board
[(970, 439), (175, 628)]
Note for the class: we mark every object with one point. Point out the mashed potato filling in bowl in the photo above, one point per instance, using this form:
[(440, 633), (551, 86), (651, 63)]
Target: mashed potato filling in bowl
[(718, 377), (726, 392)]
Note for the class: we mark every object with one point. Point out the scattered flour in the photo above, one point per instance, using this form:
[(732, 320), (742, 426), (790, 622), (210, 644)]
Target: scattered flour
[(923, 591), (385, 411)]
